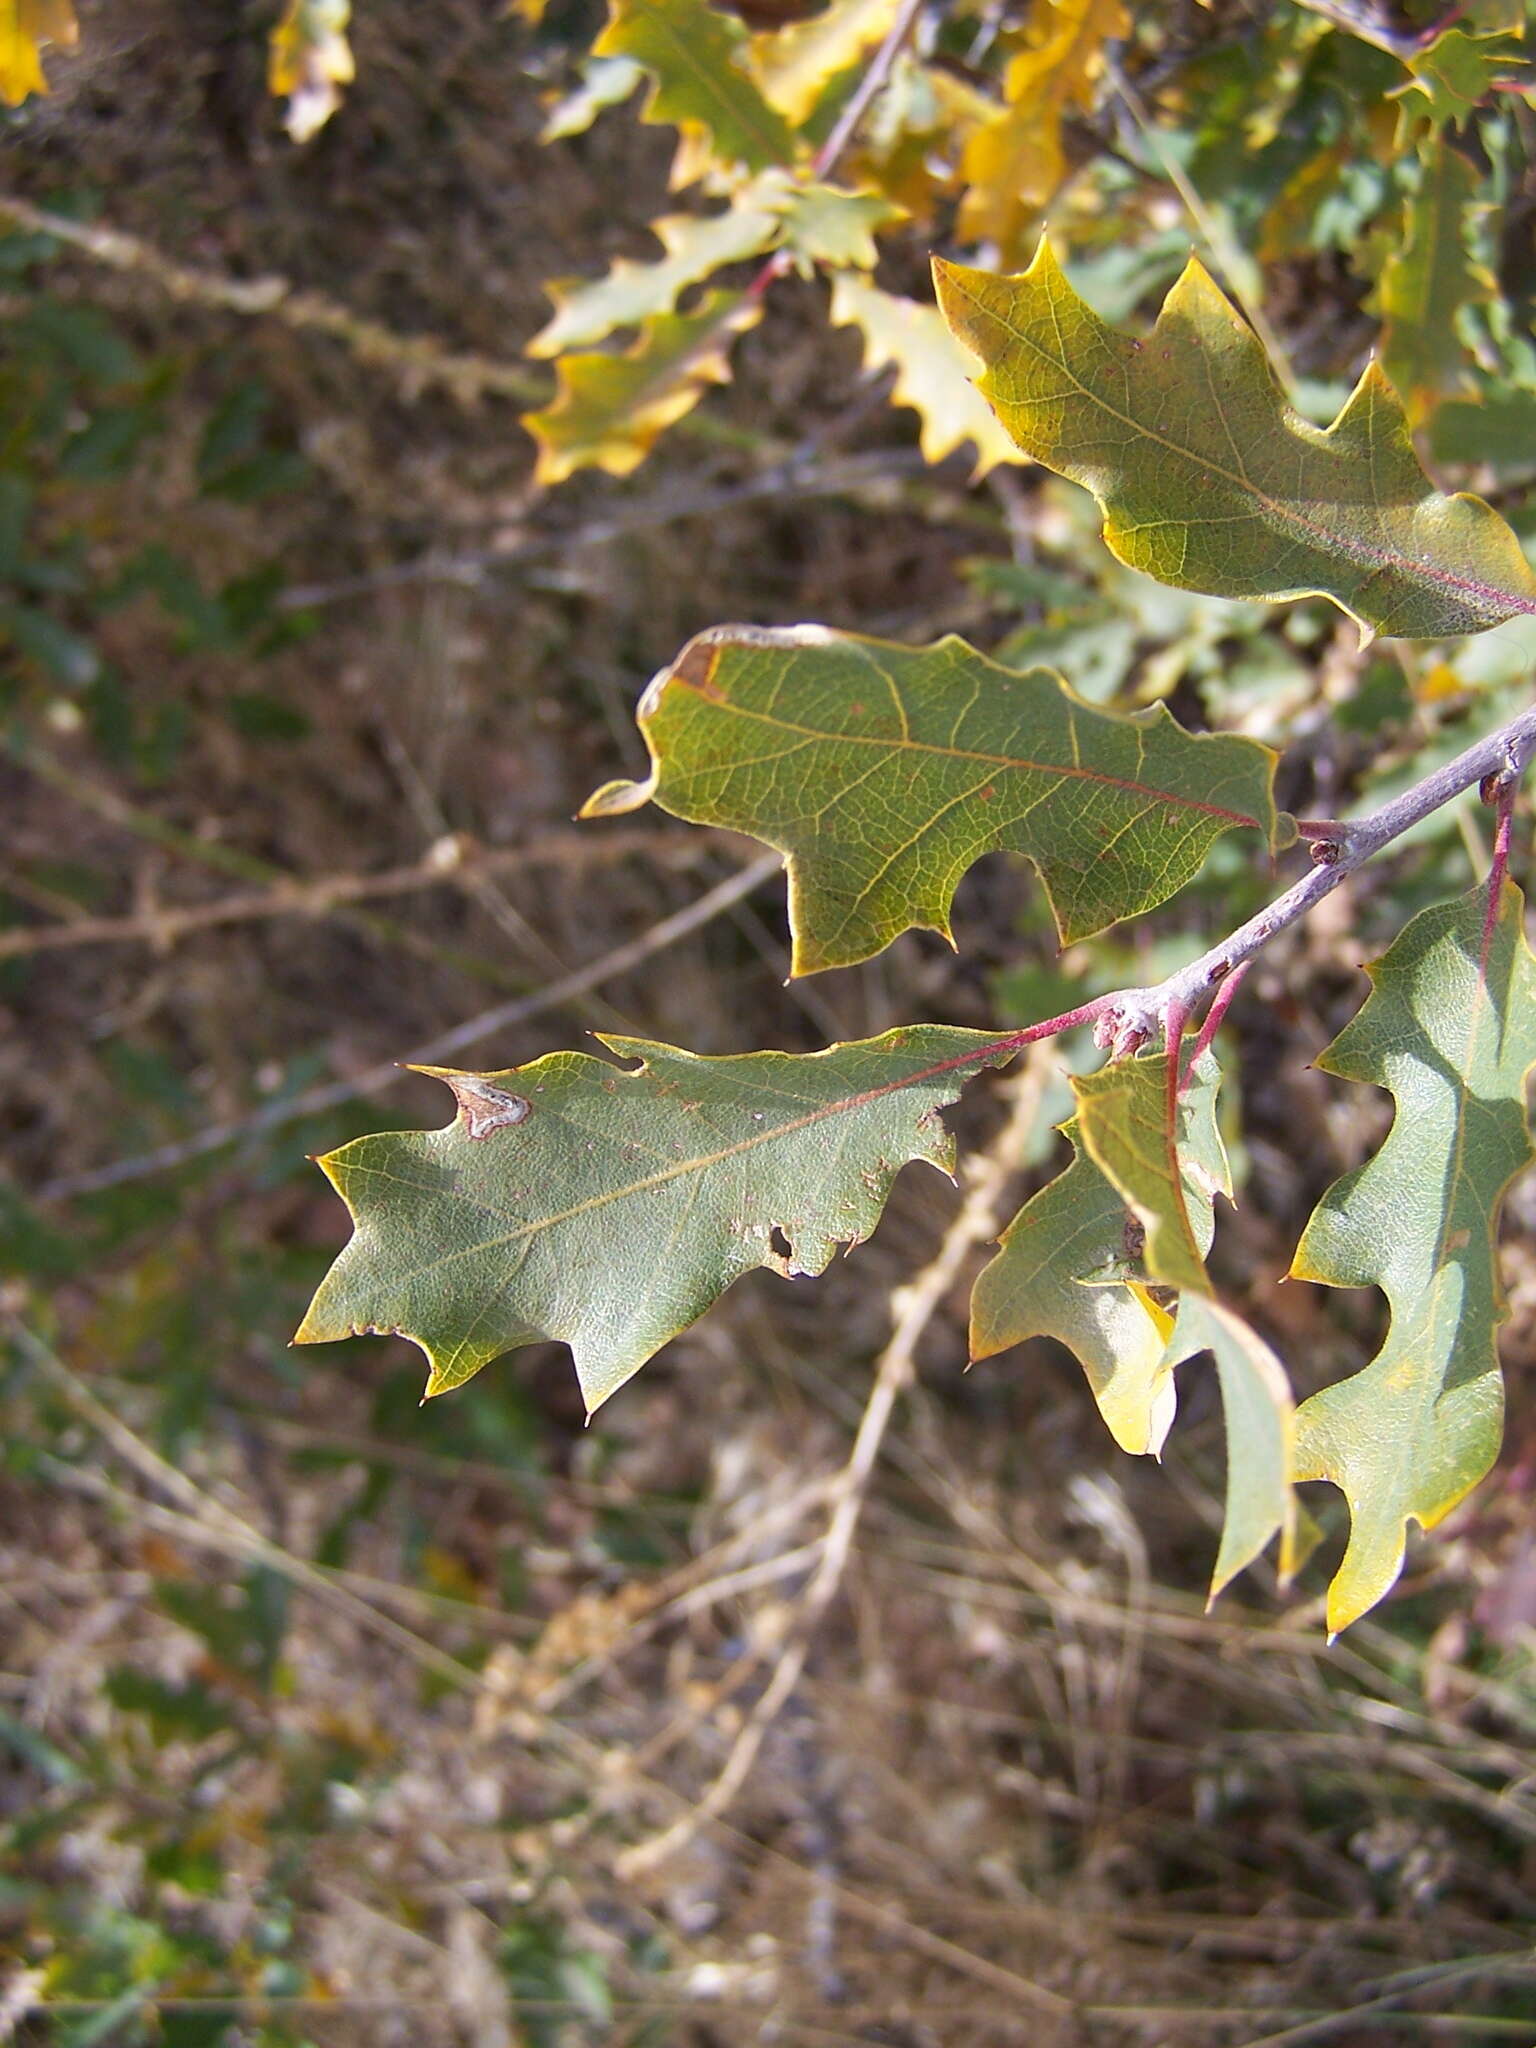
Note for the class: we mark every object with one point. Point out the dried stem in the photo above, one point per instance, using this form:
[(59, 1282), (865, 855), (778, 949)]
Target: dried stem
[(455, 858), (419, 360)]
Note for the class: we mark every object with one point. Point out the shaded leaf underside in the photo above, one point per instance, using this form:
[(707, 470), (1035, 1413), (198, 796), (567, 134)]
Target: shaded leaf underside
[(883, 772), (1260, 1421), (1453, 1040), (1071, 1264)]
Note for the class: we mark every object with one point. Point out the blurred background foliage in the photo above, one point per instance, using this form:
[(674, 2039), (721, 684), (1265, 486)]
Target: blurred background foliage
[(324, 1718)]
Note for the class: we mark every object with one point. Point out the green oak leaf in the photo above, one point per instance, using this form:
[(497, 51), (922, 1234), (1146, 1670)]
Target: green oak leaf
[(1164, 1156), (1260, 1419), (1452, 1036), (608, 1208), (826, 224), (609, 410), (882, 772), (694, 54), (1207, 478), (1451, 79)]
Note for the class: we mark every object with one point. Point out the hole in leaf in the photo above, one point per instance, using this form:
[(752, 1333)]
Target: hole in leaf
[(778, 1243)]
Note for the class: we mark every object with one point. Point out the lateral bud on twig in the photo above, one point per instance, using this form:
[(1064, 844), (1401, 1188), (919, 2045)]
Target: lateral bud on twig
[(1498, 782), (1327, 840), (1122, 1030)]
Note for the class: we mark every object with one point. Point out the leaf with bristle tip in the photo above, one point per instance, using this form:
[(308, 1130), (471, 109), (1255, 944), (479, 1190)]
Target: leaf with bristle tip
[(883, 772), (1206, 477), (609, 1207)]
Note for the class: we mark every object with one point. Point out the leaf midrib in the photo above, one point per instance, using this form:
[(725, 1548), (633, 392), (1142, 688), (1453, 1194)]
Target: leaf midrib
[(1000, 761), (703, 1162)]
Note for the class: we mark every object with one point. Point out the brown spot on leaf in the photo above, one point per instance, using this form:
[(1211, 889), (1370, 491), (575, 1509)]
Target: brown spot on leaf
[(486, 1108), (695, 670)]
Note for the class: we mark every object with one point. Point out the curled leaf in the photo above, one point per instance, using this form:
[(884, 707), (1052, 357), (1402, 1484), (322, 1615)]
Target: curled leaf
[(1164, 1154)]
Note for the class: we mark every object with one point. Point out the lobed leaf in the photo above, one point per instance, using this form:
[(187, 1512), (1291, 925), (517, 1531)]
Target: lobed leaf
[(883, 772), (932, 371), (609, 410), (1067, 1267), (1209, 480), (1452, 78), (1070, 1266), (826, 224), (697, 58), (1014, 163), (607, 1208), (1449, 1028), (1163, 1155)]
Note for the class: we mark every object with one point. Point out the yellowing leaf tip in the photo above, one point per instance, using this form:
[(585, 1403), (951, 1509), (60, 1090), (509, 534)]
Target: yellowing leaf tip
[(614, 799)]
